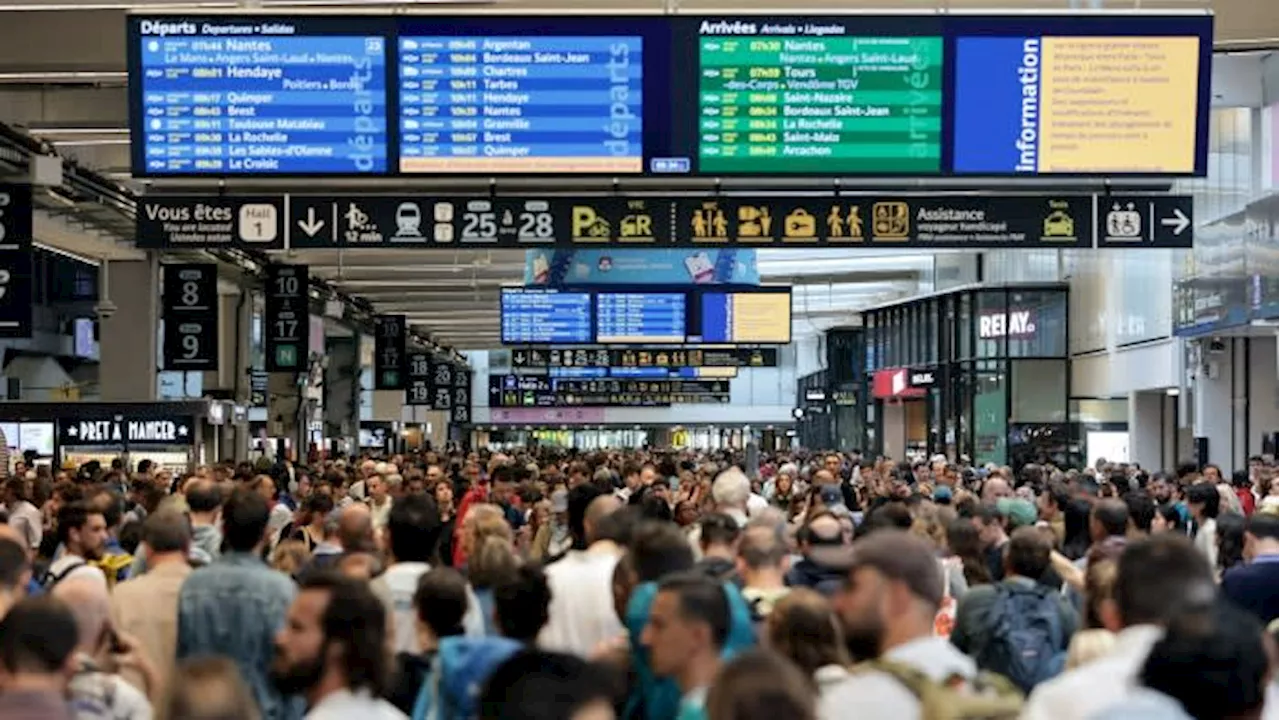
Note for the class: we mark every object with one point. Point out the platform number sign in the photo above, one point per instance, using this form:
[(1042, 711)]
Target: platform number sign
[(287, 318), (461, 412), (418, 390), (442, 386), (15, 261), (190, 310), (389, 357)]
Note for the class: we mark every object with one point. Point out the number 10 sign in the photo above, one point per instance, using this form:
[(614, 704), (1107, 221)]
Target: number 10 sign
[(190, 308)]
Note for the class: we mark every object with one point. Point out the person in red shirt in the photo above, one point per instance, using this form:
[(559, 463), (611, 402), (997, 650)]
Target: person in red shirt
[(1244, 490)]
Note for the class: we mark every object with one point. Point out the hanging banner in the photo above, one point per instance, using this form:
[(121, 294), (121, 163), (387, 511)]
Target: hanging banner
[(640, 267)]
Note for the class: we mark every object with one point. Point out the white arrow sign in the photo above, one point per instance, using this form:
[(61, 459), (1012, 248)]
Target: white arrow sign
[(1178, 222), (312, 224)]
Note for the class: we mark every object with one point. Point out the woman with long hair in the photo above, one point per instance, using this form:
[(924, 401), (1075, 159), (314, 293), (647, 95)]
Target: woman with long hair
[(488, 545), (964, 543), (803, 628)]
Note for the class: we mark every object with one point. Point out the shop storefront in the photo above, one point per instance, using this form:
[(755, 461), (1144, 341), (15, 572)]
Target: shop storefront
[(168, 434), (980, 372)]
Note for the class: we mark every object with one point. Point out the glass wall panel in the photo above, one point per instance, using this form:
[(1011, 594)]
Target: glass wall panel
[(1036, 324), (1039, 391), (965, 326), (990, 412)]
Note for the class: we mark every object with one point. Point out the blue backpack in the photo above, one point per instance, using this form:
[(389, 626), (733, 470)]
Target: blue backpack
[(1027, 644), (462, 665)]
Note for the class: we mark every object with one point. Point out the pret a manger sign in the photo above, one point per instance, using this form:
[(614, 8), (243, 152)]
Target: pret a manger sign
[(1015, 323)]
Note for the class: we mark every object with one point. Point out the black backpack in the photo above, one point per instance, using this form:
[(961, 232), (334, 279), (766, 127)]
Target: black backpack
[(49, 579)]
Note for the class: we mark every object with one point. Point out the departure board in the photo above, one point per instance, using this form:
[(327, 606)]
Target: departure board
[(746, 318), (640, 318), (545, 316), (251, 96), (834, 104), (501, 105)]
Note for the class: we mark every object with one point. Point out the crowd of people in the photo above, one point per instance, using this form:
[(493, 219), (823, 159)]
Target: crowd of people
[(546, 584)]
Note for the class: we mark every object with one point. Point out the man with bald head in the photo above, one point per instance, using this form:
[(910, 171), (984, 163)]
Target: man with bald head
[(581, 616), (93, 691)]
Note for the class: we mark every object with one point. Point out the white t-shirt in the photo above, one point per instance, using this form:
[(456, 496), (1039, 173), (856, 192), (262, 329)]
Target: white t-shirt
[(396, 587), (347, 705), (84, 569), (581, 616)]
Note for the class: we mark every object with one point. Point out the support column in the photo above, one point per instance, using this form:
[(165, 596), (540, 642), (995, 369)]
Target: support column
[(128, 337), (342, 388), (1150, 435), (1212, 402), (231, 381)]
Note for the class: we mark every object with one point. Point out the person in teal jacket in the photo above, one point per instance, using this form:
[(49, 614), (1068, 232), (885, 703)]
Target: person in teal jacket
[(656, 698)]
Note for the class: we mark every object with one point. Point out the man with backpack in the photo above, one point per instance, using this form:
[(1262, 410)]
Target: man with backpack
[(82, 534), (887, 606), (1018, 628)]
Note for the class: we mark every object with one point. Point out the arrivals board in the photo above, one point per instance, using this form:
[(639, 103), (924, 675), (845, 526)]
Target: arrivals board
[(259, 96), (640, 318), (533, 316), (936, 94)]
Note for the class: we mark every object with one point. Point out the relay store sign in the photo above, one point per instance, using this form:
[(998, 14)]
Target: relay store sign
[(1015, 323), (134, 431)]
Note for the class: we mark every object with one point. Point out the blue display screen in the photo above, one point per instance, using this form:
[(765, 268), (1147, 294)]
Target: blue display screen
[(641, 318), (545, 317), (513, 105), (717, 318), (243, 97)]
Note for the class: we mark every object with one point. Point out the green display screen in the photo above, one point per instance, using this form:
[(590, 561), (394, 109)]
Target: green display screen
[(831, 105)]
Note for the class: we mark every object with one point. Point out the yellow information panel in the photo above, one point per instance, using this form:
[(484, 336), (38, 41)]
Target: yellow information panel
[(1118, 104), (761, 317)]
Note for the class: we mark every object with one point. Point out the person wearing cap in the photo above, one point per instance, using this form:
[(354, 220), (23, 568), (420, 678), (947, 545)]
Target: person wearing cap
[(823, 549), (892, 590)]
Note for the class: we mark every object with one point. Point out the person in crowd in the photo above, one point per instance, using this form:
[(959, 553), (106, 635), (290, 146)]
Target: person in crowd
[(379, 501), (534, 685), (1018, 627), (1156, 579), (82, 534), (1168, 518), (487, 543), (235, 606), (887, 607), (730, 493), (521, 602), (990, 523), (310, 529), (208, 688), (332, 651), (803, 627), (24, 516), (15, 572), (38, 641), (413, 532), (146, 607), (581, 615), (820, 539), (1095, 639), (442, 491), (440, 606), (1255, 585), (1230, 530), (96, 691), (1203, 501), (687, 630), (758, 685), (718, 536), (965, 543), (762, 564), (555, 537)]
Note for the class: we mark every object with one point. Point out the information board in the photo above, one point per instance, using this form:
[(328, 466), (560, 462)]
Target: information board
[(488, 95), (15, 261), (442, 379), (746, 318), (390, 333), (540, 391), (640, 318), (189, 307), (523, 105), (286, 318), (461, 413), (536, 316), (645, 357), (249, 96), (811, 101)]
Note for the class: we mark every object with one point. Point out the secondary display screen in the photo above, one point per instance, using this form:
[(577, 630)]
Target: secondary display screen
[(640, 318), (617, 96), (238, 96), (545, 316), (746, 318)]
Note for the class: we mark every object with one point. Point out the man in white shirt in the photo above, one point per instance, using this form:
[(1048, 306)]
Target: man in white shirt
[(582, 615), (332, 651), (82, 532), (1155, 579), (411, 536), (380, 501), (23, 516)]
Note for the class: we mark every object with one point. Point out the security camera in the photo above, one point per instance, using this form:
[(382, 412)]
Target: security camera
[(104, 309)]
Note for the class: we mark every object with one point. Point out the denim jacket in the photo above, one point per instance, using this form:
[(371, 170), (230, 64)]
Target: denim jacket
[(234, 608)]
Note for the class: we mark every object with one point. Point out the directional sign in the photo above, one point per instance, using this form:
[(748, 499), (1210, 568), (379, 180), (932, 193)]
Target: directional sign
[(933, 221), (442, 385), (287, 330), (210, 221), (15, 261), (389, 357), (190, 311), (461, 412), (418, 390), (1159, 221)]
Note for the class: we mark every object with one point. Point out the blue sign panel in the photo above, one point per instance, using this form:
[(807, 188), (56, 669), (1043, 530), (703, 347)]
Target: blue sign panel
[(236, 96), (640, 267), (545, 317), (521, 105), (639, 318)]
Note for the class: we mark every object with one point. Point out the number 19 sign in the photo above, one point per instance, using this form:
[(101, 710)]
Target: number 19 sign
[(190, 308)]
